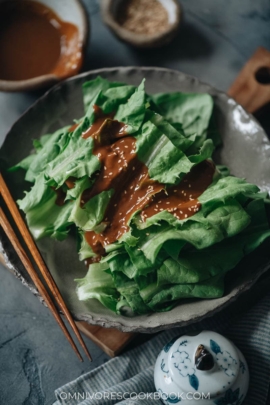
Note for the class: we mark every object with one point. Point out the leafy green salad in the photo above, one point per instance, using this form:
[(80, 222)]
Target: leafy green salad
[(159, 258)]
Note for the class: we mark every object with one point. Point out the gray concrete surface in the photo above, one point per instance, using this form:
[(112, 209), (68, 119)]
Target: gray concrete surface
[(216, 39)]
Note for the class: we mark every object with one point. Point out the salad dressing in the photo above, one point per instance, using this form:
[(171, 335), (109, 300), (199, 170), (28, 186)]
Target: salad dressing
[(34, 41), (134, 190)]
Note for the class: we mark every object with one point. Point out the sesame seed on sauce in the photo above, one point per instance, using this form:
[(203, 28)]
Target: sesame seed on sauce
[(129, 177)]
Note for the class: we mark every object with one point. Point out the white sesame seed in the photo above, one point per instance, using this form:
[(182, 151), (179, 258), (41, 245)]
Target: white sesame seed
[(189, 185), (185, 215), (168, 202), (115, 205), (155, 209), (133, 168)]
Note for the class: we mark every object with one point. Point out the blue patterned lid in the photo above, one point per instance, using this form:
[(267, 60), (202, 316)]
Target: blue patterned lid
[(206, 362)]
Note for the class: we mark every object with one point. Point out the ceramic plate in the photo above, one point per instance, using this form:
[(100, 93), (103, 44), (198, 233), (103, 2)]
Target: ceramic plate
[(246, 150)]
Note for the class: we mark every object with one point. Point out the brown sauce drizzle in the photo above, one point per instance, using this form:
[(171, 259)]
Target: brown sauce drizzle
[(122, 171), (60, 196), (182, 200), (73, 127), (105, 129), (34, 41), (70, 182)]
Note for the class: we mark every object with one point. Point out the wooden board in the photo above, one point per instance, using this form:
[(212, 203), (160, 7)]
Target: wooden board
[(111, 341), (2, 260), (246, 89)]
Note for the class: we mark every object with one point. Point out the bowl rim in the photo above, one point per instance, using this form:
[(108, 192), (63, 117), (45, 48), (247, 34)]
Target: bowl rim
[(140, 40), (119, 323), (49, 79)]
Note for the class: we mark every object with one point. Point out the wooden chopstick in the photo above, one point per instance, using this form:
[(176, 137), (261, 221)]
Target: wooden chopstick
[(42, 267)]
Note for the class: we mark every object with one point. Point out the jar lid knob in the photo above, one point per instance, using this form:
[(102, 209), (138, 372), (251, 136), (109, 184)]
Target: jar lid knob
[(203, 359)]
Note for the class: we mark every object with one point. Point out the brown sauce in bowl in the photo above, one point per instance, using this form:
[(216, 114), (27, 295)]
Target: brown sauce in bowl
[(34, 41)]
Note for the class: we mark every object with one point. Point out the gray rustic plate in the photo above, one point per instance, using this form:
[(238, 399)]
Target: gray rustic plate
[(246, 150)]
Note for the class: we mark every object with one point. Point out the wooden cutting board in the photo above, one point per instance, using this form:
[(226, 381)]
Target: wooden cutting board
[(251, 88), (250, 93)]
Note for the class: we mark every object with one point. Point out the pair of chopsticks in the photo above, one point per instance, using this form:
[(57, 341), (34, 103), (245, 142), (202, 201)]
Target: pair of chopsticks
[(27, 237)]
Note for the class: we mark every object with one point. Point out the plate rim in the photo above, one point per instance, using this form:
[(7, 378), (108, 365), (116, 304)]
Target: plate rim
[(101, 320)]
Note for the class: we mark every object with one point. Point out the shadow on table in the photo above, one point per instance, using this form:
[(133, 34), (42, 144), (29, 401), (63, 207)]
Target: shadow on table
[(190, 43)]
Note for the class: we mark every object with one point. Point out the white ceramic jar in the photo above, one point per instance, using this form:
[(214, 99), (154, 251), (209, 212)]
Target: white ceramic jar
[(201, 369)]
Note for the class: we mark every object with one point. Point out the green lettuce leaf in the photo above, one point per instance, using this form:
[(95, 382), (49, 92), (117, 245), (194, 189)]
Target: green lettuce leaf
[(47, 148), (92, 88), (132, 113), (90, 216), (98, 284), (76, 160), (193, 111), (43, 216)]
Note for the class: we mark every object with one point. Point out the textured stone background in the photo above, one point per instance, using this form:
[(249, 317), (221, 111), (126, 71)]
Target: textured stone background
[(216, 39)]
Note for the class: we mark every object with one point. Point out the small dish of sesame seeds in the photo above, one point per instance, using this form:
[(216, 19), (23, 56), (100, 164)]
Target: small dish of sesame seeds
[(143, 23)]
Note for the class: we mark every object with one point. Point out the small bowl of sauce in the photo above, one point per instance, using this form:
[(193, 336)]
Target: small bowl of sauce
[(41, 42)]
